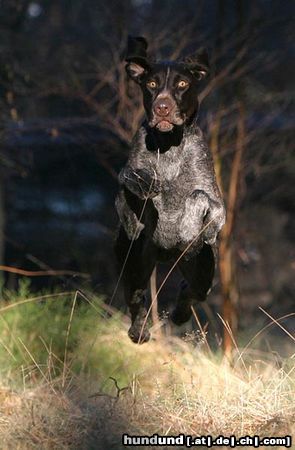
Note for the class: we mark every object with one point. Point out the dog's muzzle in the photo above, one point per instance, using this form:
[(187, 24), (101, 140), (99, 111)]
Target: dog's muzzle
[(165, 114)]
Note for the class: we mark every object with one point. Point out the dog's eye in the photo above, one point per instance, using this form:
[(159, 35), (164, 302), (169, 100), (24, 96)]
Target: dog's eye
[(152, 84), (182, 84)]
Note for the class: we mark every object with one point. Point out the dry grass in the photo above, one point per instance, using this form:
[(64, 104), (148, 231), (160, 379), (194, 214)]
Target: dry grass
[(84, 384), (171, 387)]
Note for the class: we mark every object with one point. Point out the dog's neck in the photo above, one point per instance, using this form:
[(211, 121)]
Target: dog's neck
[(162, 142)]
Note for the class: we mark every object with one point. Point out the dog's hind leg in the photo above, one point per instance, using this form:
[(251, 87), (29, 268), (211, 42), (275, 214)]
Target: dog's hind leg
[(137, 267), (198, 273)]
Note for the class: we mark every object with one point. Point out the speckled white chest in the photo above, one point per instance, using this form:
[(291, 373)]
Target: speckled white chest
[(168, 165)]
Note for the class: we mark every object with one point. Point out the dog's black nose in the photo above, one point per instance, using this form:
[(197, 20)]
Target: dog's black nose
[(163, 107)]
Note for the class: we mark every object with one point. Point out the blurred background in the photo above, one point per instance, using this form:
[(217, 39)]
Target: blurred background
[(68, 114)]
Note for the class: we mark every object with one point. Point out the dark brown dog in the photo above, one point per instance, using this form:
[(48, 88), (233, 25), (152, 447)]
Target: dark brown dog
[(168, 201)]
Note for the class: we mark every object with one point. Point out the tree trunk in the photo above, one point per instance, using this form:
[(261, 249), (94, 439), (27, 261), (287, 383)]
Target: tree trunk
[(2, 223), (227, 267)]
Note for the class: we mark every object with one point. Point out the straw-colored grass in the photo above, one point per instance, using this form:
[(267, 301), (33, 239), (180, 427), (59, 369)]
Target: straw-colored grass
[(109, 386)]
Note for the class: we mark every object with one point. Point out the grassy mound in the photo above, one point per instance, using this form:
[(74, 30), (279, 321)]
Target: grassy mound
[(71, 379)]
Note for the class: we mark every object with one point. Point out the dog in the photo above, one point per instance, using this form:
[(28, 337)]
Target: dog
[(169, 204)]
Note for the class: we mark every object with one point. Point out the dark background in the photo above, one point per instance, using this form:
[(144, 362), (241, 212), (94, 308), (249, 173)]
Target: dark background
[(68, 115)]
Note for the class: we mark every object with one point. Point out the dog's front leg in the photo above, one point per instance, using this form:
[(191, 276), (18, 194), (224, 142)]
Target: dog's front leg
[(143, 183), (202, 219), (127, 216)]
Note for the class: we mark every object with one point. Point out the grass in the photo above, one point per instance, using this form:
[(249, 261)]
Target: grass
[(71, 379)]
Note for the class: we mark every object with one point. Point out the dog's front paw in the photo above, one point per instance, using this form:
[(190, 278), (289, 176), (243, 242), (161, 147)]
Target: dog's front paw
[(203, 218), (141, 182), (214, 222), (149, 183), (192, 223)]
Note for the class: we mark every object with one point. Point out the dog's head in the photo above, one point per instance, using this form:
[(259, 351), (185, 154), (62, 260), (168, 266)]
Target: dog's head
[(170, 89)]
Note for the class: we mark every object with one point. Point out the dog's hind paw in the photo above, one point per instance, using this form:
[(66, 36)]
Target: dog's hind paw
[(139, 335), (180, 315)]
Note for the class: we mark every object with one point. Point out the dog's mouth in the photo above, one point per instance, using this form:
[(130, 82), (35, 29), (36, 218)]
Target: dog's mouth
[(164, 126), (168, 122)]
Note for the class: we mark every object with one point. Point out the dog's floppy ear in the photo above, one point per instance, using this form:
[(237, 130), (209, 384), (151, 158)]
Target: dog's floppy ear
[(136, 57), (198, 63)]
